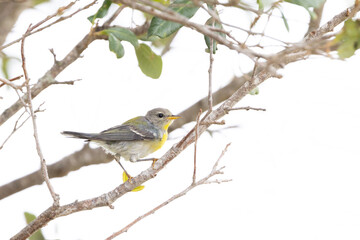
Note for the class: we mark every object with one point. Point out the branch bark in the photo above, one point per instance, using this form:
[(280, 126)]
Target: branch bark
[(204, 180), (84, 157)]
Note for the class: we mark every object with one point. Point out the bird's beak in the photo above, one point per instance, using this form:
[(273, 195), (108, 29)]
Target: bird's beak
[(173, 117)]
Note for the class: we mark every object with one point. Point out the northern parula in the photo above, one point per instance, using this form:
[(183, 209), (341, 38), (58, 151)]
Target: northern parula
[(135, 138)]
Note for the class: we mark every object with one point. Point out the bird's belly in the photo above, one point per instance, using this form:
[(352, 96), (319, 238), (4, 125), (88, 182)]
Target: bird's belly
[(133, 150)]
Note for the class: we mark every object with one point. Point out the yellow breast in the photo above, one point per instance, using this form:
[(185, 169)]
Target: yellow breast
[(158, 144)]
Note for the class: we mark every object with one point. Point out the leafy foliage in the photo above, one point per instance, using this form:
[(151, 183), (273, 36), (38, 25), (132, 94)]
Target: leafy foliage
[(348, 39), (149, 63), (103, 10), (163, 28)]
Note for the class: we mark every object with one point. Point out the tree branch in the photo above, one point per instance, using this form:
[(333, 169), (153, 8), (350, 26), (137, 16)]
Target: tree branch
[(84, 157), (205, 180), (158, 10), (44, 170)]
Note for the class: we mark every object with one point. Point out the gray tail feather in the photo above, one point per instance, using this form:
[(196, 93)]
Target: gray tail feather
[(88, 136)]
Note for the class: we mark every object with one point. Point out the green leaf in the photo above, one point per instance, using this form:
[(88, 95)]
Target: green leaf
[(118, 34), (122, 34), (348, 39), (162, 28), (212, 22), (306, 3), (285, 21), (103, 10), (116, 46), (261, 4), (38, 234), (149, 63)]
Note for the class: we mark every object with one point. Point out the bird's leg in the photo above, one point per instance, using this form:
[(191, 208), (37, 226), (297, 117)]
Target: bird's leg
[(149, 159), (117, 159)]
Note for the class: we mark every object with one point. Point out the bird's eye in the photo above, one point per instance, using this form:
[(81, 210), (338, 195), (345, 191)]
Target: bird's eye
[(160, 115)]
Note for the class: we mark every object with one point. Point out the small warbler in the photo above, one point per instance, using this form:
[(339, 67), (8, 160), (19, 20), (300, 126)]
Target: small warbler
[(135, 138)]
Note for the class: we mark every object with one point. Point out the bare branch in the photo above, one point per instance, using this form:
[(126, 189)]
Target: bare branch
[(211, 60), (195, 144), (60, 11), (114, 16), (9, 82), (33, 117), (84, 157), (194, 184), (247, 109), (16, 127), (315, 21), (332, 23)]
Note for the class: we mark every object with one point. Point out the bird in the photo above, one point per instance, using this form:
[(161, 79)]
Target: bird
[(134, 139)]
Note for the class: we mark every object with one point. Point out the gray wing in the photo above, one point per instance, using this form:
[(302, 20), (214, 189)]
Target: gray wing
[(135, 129), (128, 133)]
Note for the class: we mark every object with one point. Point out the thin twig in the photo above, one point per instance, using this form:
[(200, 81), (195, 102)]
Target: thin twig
[(247, 109), (202, 181), (114, 16), (57, 13), (71, 82), (16, 127), (208, 123), (33, 117), (9, 82), (158, 10), (211, 59), (214, 169), (195, 144)]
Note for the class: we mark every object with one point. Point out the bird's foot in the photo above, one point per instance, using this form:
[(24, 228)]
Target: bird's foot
[(153, 163)]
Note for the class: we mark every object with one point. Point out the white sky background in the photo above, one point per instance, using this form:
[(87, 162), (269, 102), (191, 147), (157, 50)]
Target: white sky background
[(295, 168)]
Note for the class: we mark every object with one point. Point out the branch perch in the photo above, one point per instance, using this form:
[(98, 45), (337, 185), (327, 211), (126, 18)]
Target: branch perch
[(205, 180)]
